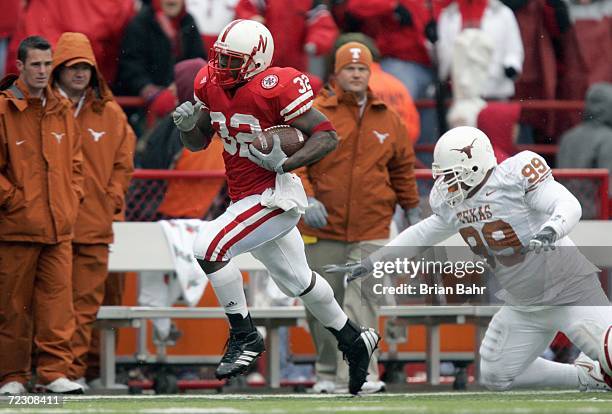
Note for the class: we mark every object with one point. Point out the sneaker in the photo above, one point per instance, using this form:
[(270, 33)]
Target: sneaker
[(241, 351), (81, 381), (323, 387), (63, 385), (591, 376), (12, 388), (358, 356), (372, 387)]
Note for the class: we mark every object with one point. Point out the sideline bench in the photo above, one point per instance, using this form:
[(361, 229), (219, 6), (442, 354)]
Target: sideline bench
[(275, 317), (142, 246)]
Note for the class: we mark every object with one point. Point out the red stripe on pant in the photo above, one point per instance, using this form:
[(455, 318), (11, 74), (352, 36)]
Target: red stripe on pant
[(239, 219), (247, 230)]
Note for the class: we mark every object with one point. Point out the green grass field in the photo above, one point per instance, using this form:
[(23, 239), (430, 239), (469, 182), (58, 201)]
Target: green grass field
[(434, 403)]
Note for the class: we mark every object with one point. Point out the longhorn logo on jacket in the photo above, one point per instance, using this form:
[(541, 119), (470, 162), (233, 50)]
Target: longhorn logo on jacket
[(96, 135), (382, 136), (58, 136)]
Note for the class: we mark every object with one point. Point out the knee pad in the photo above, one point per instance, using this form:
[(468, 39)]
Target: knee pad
[(594, 340), (292, 282)]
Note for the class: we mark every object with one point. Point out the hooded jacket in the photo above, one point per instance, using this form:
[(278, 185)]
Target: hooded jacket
[(589, 144), (40, 166), (108, 146), (369, 172)]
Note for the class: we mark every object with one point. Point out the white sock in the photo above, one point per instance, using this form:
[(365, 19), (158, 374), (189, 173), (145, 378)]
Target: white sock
[(321, 303), (545, 373), (228, 286)]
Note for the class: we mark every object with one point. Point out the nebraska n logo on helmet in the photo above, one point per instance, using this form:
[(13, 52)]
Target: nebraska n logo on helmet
[(243, 49), (462, 158)]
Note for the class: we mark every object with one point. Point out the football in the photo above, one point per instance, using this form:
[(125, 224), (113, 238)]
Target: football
[(292, 139)]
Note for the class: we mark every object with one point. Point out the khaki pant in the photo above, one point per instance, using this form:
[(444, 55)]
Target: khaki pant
[(35, 303), (330, 365), (113, 296), (89, 272)]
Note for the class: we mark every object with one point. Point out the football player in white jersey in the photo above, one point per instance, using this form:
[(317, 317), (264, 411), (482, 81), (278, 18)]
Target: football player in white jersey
[(518, 217)]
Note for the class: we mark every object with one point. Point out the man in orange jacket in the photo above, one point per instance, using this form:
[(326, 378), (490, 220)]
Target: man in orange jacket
[(40, 191), (352, 195), (108, 152)]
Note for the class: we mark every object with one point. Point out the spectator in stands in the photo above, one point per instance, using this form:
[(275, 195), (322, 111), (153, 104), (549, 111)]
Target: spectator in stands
[(162, 149), (386, 86), (498, 23), (108, 152), (589, 144), (352, 194), (9, 19), (586, 53), (300, 28), (159, 36), (41, 182), (102, 21), (542, 24), (211, 16), (471, 60)]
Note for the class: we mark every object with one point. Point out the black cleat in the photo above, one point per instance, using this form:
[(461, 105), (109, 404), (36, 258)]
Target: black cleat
[(241, 351), (358, 355)]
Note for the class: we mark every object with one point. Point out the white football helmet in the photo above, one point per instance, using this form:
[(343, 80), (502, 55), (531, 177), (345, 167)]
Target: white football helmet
[(243, 49), (462, 158)]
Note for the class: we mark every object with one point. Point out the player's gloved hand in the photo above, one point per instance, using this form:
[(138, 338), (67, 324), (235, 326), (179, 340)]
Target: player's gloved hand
[(273, 161), (404, 219), (543, 241), (186, 115), (353, 270), (316, 214)]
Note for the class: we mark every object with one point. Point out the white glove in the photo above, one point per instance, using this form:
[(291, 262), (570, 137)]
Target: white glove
[(352, 270), (186, 115), (543, 241), (316, 214), (273, 161)]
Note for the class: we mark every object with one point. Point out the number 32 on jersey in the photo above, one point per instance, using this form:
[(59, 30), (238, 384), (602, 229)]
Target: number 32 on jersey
[(241, 140)]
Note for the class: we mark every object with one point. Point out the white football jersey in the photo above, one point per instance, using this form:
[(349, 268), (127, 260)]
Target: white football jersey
[(502, 216)]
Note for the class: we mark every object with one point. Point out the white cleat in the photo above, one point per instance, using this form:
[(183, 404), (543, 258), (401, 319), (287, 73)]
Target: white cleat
[(590, 375), (64, 386), (324, 387), (372, 387), (81, 381), (13, 388)]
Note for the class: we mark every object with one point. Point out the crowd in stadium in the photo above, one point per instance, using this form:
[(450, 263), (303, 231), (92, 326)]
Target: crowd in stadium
[(120, 68)]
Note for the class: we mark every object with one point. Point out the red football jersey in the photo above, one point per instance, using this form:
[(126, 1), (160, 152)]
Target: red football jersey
[(276, 96)]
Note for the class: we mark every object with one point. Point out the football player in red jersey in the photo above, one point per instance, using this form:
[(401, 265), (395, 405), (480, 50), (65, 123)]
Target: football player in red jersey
[(238, 95)]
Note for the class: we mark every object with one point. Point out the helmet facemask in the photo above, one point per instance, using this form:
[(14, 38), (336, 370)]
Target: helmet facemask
[(451, 184), (229, 69)]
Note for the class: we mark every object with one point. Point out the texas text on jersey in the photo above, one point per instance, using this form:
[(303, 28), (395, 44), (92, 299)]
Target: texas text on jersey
[(276, 96)]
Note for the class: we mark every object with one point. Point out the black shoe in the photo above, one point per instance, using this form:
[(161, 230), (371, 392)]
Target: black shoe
[(241, 351), (358, 355)]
